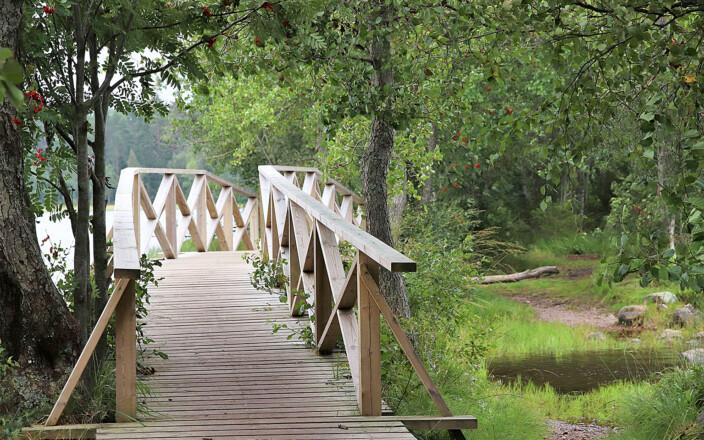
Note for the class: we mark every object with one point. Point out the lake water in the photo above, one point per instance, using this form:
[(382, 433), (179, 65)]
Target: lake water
[(60, 234), (582, 371)]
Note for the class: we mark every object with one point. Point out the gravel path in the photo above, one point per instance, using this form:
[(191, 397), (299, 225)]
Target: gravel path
[(556, 310), (581, 431)]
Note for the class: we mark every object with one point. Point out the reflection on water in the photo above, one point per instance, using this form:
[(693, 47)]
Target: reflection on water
[(582, 371)]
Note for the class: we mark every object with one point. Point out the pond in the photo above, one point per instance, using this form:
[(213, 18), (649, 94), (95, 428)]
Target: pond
[(582, 371)]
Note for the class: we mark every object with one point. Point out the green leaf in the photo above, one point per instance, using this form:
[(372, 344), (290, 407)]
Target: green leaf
[(647, 116), (13, 71)]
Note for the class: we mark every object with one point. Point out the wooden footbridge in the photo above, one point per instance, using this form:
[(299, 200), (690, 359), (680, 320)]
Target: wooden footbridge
[(228, 375)]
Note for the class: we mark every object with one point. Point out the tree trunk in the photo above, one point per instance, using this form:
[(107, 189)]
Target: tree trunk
[(81, 259), (100, 258), (375, 160), (666, 169), (428, 194), (36, 327)]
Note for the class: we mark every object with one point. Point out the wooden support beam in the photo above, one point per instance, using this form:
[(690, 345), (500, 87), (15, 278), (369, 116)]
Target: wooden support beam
[(323, 292), (345, 300), (126, 356), (92, 342), (170, 221), (201, 207), (369, 283), (369, 392)]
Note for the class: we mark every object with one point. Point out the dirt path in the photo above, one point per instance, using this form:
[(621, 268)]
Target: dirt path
[(567, 431), (557, 310)]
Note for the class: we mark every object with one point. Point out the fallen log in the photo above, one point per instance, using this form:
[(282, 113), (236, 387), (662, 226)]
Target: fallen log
[(518, 276)]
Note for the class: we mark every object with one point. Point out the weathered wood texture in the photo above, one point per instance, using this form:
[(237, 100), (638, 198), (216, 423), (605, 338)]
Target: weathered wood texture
[(308, 228), (228, 376), (538, 272)]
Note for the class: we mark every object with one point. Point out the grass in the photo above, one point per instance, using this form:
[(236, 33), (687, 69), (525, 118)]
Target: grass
[(517, 331), (641, 409)]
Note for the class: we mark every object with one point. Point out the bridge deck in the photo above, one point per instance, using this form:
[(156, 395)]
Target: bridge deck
[(228, 376)]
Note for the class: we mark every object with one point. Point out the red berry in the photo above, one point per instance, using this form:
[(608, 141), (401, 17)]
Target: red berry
[(457, 135), (17, 121), (509, 111), (206, 12), (48, 10), (477, 165), (258, 41), (268, 6), (211, 42)]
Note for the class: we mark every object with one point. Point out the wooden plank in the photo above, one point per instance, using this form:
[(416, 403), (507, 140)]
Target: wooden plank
[(369, 391), (323, 291), (345, 300), (126, 356), (378, 251), (371, 286), (39, 432), (125, 246), (333, 259), (171, 222), (73, 379)]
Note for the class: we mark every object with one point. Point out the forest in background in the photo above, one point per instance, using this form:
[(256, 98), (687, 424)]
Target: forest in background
[(485, 138)]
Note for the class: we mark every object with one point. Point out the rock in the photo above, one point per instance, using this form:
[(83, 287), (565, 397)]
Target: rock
[(670, 335), (635, 341), (661, 298), (685, 316), (699, 336), (596, 336), (700, 422), (631, 315), (661, 306), (694, 343), (695, 355)]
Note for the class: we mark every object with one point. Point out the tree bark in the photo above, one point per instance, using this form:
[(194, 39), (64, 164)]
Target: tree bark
[(538, 272), (36, 327), (428, 194), (100, 257), (377, 156), (81, 258)]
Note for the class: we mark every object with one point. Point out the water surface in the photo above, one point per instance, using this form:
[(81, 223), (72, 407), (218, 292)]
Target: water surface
[(582, 371)]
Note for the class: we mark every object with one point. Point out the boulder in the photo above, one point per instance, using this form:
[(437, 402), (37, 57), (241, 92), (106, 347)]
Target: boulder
[(695, 356), (631, 315), (596, 336), (694, 343), (670, 335), (661, 298), (685, 316), (635, 341)]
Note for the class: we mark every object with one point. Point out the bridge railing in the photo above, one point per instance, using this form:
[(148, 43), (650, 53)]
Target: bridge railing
[(305, 227), (137, 219)]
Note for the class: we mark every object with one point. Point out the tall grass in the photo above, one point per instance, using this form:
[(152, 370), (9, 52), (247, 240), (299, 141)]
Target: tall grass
[(668, 410)]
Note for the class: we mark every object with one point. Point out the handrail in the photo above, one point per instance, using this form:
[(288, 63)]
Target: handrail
[(303, 229), (201, 215), (374, 248), (136, 220)]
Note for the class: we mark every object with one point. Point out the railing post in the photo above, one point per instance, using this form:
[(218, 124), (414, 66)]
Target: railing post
[(170, 220), (137, 211), (369, 392), (323, 292), (126, 356), (202, 213), (228, 221)]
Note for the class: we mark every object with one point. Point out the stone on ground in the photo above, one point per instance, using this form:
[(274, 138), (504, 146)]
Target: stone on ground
[(685, 316), (695, 355), (631, 315), (670, 335), (661, 297)]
